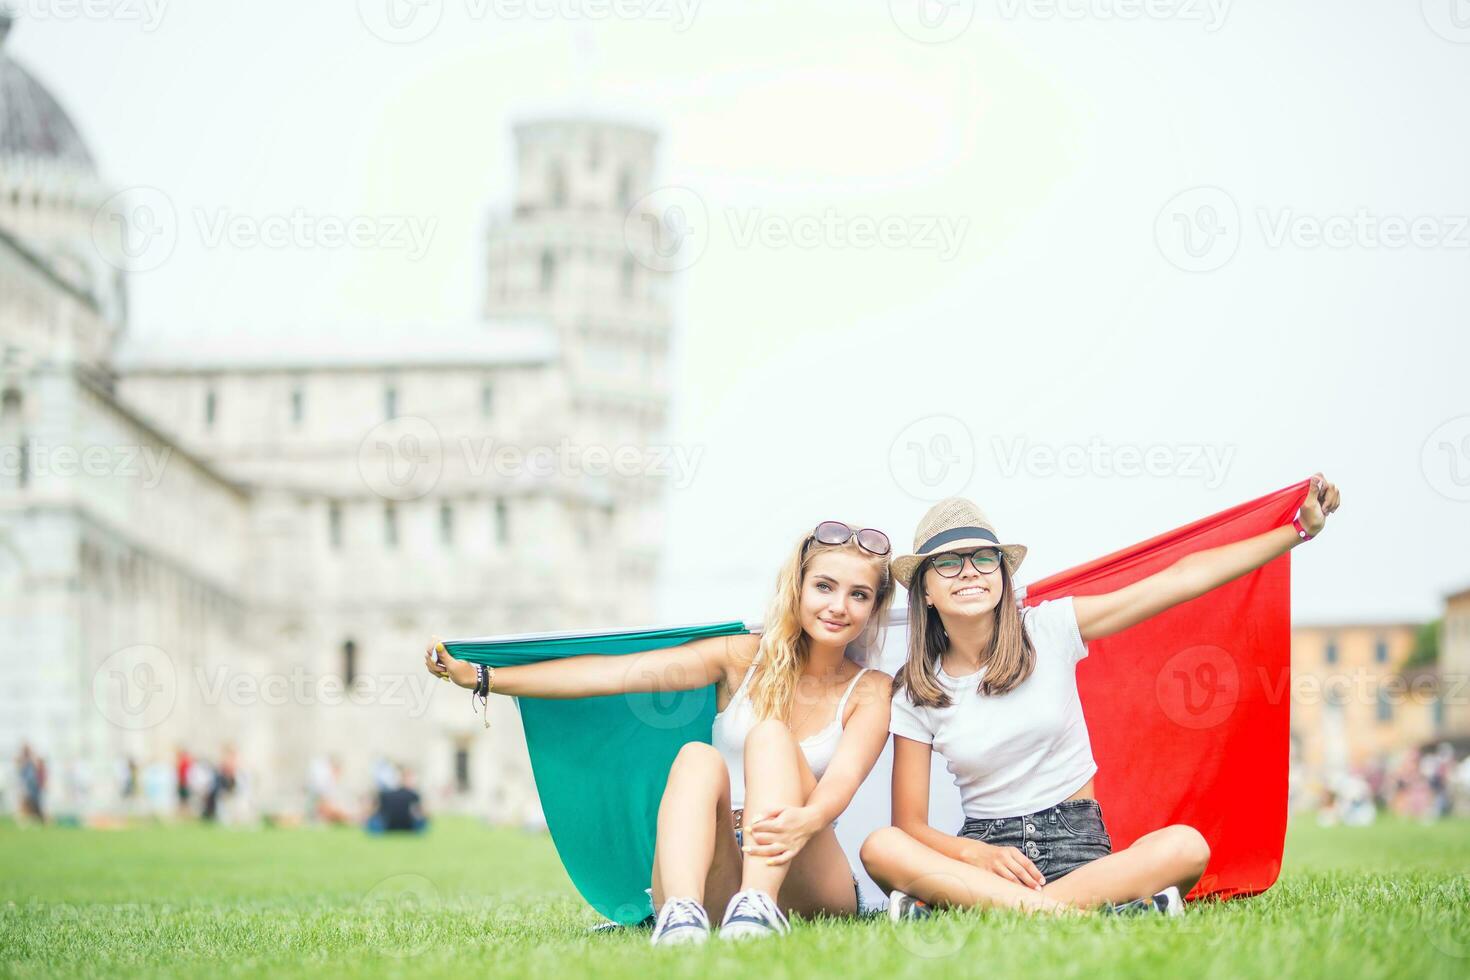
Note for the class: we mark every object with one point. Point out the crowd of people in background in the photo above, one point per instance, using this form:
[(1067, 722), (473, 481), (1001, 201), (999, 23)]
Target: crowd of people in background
[(188, 786), (1423, 784)]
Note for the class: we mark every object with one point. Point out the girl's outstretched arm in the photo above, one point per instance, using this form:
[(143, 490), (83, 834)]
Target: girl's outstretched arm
[(698, 663), (1194, 575)]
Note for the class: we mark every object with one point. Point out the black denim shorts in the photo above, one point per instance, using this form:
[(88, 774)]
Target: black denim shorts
[(1058, 840)]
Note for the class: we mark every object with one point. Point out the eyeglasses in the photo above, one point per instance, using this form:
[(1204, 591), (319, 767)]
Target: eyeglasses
[(951, 563), (835, 532)]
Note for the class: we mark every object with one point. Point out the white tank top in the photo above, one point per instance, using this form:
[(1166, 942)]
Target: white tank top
[(734, 723)]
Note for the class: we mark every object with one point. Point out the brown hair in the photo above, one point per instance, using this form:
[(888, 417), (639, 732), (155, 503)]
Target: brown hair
[(1008, 662), (785, 644)]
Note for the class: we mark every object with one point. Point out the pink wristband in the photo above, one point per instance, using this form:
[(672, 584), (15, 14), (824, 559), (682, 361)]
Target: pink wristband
[(1301, 531)]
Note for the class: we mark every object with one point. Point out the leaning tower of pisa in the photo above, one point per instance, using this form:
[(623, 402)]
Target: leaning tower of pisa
[(574, 249)]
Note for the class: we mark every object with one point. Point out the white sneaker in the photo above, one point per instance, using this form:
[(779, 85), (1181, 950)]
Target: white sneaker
[(752, 913), (902, 905), (680, 921), (1169, 901)]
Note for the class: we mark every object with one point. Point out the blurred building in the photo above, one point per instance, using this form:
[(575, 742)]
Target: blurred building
[(1354, 702), (247, 539), (1454, 663)]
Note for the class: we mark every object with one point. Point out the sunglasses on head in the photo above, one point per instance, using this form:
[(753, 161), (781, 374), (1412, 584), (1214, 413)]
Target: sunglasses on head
[(872, 541), (951, 563)]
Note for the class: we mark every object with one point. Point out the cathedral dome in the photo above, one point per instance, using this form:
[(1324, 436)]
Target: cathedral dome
[(33, 126)]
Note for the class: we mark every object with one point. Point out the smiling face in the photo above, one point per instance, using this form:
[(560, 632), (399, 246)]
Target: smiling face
[(968, 595), (838, 596)]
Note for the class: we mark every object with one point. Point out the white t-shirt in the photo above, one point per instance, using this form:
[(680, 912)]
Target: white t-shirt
[(1018, 752)]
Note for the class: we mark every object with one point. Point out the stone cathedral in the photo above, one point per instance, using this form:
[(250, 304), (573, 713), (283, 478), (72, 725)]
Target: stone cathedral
[(242, 543)]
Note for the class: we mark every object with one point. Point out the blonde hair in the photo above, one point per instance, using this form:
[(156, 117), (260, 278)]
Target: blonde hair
[(1010, 659), (784, 644)]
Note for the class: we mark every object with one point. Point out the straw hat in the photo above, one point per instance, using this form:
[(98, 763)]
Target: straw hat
[(954, 524)]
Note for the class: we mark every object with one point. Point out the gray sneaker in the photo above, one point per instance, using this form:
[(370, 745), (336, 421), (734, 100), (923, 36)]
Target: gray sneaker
[(750, 914), (680, 921)]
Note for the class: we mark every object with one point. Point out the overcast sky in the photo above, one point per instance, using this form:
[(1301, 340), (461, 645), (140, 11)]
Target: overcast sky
[(1233, 234)]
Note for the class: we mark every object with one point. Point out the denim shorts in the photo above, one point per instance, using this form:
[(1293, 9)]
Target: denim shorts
[(1058, 840)]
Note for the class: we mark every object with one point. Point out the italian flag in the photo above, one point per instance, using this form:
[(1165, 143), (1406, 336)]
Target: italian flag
[(1188, 712)]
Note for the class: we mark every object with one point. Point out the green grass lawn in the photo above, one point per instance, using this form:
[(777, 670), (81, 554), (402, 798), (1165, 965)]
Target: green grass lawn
[(464, 901)]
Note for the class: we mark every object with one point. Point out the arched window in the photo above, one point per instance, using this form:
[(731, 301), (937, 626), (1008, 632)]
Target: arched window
[(16, 460), (349, 662), (630, 272), (462, 768), (557, 181), (502, 523), (548, 271)]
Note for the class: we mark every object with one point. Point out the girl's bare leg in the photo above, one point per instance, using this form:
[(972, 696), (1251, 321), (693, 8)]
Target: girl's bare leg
[(694, 854), (818, 880), (1175, 855), (897, 860)]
